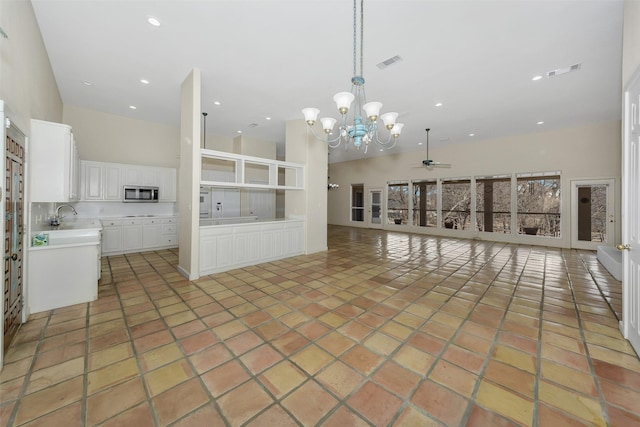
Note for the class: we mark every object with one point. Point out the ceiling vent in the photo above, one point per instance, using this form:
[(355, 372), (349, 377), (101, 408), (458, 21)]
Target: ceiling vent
[(565, 70), (253, 125), (384, 64)]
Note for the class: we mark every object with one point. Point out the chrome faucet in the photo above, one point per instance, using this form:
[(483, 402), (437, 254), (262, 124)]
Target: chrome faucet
[(63, 206)]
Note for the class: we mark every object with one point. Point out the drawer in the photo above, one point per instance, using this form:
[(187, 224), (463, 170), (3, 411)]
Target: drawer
[(169, 241), (126, 222), (111, 223), (170, 220), (151, 221), (169, 229)]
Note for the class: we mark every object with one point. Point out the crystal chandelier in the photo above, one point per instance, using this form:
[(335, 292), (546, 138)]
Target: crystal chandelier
[(353, 127)]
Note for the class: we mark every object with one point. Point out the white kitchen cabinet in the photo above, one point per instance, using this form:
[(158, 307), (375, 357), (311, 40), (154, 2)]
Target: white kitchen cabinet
[(53, 163), (151, 233), (92, 181), (131, 235), (227, 246), (136, 234), (111, 236), (101, 181), (167, 181), (140, 175), (169, 232), (104, 181)]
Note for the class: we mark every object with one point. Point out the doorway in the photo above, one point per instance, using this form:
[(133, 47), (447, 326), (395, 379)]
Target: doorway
[(592, 213), (12, 291), (375, 208)]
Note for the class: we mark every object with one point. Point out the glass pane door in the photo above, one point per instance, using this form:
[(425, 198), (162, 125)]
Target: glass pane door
[(376, 207)]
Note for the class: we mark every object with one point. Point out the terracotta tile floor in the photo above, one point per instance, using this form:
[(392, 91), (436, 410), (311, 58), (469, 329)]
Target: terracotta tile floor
[(383, 329)]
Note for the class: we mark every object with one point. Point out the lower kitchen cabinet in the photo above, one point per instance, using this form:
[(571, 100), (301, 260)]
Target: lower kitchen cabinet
[(131, 235), (229, 246), (151, 233), (111, 236), (136, 235)]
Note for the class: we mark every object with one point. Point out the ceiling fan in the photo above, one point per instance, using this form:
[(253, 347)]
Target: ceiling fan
[(432, 163)]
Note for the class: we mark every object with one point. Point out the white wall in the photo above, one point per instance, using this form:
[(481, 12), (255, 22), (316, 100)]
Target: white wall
[(631, 39), (590, 151), (27, 84), (117, 139)]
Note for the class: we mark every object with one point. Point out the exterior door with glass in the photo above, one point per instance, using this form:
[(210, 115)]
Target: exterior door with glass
[(592, 214), (375, 208)]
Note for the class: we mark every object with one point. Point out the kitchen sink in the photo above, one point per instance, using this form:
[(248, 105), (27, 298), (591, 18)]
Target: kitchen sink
[(77, 224), (71, 237)]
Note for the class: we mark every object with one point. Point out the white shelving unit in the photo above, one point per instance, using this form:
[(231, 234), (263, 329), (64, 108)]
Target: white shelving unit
[(282, 175)]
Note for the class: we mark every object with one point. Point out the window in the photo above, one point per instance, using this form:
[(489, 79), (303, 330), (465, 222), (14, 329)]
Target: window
[(539, 204), (357, 202), (456, 203), (493, 204), (425, 201), (398, 203)]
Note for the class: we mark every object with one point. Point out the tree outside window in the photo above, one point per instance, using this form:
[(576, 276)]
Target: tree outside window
[(456, 203), (539, 205), (425, 203), (493, 204), (398, 203)]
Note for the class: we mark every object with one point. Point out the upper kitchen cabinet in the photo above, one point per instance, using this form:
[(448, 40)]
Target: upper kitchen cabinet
[(104, 181), (101, 181), (54, 163)]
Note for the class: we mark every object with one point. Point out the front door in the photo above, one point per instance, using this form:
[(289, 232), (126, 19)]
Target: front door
[(13, 236), (631, 214), (375, 208), (592, 215)]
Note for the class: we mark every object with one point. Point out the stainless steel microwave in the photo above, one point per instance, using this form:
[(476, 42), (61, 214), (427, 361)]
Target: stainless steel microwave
[(139, 194)]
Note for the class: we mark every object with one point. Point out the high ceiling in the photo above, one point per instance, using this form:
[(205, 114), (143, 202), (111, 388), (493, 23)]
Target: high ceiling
[(269, 58)]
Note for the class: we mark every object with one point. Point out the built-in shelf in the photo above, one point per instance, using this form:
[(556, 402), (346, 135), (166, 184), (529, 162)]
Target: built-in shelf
[(221, 169)]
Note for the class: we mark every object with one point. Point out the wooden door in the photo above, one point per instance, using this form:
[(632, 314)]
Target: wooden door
[(13, 234)]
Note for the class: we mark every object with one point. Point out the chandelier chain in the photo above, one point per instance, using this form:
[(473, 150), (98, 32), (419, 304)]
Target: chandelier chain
[(355, 38), (356, 127)]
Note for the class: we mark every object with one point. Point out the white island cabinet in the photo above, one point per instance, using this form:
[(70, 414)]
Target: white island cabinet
[(225, 245), (54, 163)]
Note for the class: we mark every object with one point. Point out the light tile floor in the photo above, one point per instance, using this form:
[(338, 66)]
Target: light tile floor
[(385, 328)]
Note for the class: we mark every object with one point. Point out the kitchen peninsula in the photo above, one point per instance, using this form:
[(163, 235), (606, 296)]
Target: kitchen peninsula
[(234, 242)]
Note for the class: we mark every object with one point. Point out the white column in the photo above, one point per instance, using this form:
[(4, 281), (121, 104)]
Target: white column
[(189, 177), (310, 204)]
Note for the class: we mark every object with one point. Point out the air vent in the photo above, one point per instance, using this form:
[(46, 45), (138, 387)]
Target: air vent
[(384, 64), (565, 70), (253, 125)]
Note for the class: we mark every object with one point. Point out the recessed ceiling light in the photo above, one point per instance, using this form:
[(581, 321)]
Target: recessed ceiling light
[(382, 149), (133, 107), (536, 78), (144, 81), (419, 143), (86, 83), (239, 131), (439, 104), (540, 123), (153, 21), (216, 102), (267, 118), (472, 134)]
